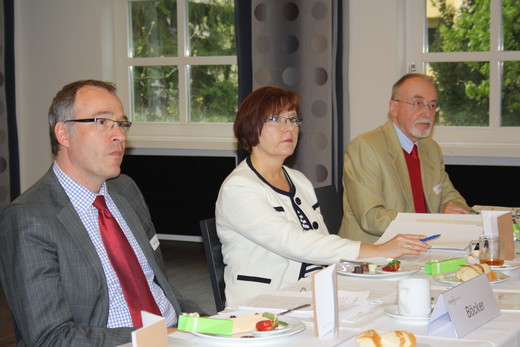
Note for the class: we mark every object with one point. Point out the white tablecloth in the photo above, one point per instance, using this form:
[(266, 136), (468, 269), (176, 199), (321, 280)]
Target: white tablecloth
[(501, 331)]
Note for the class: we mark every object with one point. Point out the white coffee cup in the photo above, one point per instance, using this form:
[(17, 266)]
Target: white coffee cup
[(413, 297)]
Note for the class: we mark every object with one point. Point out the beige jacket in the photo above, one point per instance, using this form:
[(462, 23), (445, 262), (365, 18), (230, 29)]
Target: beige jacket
[(377, 185)]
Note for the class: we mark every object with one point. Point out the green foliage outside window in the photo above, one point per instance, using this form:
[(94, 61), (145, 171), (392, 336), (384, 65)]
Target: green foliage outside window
[(212, 90), (464, 87)]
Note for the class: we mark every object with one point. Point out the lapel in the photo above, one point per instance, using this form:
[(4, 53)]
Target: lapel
[(427, 174), (395, 151), (72, 224), (136, 227)]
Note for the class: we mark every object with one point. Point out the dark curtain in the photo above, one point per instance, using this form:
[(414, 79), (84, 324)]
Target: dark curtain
[(244, 58), (9, 161)]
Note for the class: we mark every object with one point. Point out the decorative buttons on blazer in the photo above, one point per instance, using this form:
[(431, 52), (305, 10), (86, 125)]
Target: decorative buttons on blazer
[(298, 201), (315, 225)]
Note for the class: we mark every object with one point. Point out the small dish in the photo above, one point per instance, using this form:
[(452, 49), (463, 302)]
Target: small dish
[(279, 330), (451, 278), (254, 337), (393, 311), (508, 266), (379, 273)]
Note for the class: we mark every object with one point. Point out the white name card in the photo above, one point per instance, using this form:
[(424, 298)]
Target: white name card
[(464, 308), (325, 300)]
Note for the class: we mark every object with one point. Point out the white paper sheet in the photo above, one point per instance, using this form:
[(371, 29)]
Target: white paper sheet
[(456, 230), (276, 302)]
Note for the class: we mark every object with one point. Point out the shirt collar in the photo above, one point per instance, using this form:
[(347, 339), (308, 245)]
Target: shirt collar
[(80, 196), (406, 143)]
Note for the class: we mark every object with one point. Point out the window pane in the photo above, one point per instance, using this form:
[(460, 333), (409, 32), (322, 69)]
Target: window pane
[(511, 94), (511, 25), (214, 93), (212, 28), (154, 28), (156, 94), (463, 92), (458, 26)]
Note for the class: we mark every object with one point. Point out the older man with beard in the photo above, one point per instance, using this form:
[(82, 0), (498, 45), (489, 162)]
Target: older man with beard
[(397, 167)]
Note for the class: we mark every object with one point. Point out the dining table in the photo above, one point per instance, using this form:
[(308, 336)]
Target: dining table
[(379, 313)]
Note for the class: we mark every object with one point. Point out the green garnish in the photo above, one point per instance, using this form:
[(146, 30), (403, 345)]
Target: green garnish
[(394, 262), (276, 321)]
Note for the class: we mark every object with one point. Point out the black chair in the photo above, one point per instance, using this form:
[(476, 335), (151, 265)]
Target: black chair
[(213, 249), (330, 206)]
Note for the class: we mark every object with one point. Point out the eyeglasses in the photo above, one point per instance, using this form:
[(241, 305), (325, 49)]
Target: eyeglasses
[(279, 120), (418, 105), (104, 124)]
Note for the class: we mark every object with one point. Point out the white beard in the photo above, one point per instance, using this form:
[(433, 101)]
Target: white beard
[(418, 133)]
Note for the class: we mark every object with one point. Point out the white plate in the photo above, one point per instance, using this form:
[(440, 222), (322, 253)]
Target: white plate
[(294, 327), (451, 278), (393, 311), (403, 271), (508, 266)]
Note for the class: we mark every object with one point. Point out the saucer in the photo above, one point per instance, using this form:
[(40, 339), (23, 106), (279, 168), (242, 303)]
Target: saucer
[(393, 311)]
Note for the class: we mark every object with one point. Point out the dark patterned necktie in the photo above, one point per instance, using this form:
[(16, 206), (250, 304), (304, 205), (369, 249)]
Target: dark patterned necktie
[(126, 266)]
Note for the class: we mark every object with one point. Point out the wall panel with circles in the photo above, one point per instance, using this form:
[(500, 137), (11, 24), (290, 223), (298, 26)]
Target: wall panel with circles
[(293, 48)]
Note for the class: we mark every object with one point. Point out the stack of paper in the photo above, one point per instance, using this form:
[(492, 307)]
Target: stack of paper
[(456, 230)]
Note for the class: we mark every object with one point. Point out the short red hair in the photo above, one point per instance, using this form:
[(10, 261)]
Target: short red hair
[(263, 103)]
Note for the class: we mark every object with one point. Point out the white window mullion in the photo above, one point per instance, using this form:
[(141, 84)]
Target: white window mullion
[(183, 52), (495, 65)]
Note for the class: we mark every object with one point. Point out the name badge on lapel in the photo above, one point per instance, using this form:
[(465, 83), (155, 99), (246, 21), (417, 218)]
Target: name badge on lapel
[(154, 242)]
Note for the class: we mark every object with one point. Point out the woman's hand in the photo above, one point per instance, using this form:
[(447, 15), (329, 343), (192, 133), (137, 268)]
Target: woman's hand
[(401, 244)]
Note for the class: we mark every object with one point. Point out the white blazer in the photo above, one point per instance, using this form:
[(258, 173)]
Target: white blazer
[(263, 241)]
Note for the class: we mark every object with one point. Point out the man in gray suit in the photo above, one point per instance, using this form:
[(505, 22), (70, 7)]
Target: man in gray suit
[(397, 167), (54, 267)]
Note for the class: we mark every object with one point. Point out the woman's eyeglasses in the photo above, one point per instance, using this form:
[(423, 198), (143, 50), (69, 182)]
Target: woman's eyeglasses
[(279, 120)]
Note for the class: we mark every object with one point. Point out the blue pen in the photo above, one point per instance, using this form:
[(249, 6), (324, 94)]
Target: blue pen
[(430, 238)]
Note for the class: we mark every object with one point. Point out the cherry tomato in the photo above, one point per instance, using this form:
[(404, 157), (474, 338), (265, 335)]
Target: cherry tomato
[(265, 325), (389, 268)]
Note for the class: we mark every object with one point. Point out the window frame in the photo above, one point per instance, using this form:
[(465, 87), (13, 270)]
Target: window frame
[(181, 135), (490, 141)]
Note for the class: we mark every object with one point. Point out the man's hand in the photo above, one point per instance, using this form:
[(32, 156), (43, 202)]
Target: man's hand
[(455, 209)]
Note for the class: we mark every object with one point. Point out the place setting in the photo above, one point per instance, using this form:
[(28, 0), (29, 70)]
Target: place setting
[(235, 327), (393, 268), (489, 251), (414, 301)]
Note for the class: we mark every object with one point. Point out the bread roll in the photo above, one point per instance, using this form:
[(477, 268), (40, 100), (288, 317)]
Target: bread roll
[(468, 272), (370, 338), (398, 339)]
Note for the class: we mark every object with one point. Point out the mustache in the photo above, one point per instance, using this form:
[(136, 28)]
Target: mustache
[(424, 121)]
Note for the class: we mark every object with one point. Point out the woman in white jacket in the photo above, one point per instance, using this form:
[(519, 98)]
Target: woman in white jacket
[(268, 217)]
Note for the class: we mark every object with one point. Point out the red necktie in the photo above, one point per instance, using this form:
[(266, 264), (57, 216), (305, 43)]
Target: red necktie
[(126, 266), (414, 171)]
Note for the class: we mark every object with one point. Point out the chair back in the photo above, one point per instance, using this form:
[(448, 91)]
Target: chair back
[(330, 206), (215, 260)]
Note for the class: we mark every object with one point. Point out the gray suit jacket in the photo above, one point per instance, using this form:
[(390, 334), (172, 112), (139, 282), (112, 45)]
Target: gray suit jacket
[(377, 184), (50, 271)]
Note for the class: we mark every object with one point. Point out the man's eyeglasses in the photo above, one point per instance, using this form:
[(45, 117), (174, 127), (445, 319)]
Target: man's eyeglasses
[(279, 120), (418, 105), (104, 124)]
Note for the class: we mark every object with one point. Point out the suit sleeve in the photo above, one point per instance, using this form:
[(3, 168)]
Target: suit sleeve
[(31, 275), (363, 183)]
